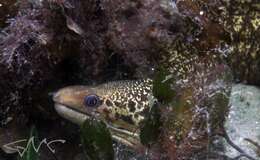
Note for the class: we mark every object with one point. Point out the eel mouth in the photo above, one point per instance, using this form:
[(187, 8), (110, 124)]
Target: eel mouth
[(125, 137), (71, 114)]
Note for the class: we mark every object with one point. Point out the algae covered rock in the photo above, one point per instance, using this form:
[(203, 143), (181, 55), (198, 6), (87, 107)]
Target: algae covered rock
[(196, 113), (242, 20), (8, 10), (232, 27), (35, 48)]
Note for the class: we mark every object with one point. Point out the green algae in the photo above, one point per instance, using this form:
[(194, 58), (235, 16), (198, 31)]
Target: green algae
[(96, 140), (31, 153), (150, 131), (162, 89)]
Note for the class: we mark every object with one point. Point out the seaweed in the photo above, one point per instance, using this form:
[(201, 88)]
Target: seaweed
[(96, 140), (31, 153), (151, 128)]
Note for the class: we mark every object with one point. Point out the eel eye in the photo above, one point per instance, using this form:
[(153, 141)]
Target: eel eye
[(91, 100)]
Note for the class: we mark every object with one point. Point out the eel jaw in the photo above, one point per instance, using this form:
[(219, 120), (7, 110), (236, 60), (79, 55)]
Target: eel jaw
[(125, 137), (70, 114)]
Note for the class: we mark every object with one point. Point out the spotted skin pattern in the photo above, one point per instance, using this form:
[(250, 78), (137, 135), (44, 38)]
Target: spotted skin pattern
[(126, 100)]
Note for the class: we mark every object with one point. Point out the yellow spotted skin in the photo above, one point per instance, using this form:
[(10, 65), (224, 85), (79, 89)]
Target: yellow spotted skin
[(126, 100)]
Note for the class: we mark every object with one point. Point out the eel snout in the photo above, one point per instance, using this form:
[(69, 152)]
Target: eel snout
[(69, 103)]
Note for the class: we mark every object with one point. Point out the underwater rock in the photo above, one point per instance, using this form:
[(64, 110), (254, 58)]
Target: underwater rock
[(34, 49), (25, 61), (8, 9), (203, 12), (233, 28), (136, 28), (11, 134), (243, 121), (242, 20), (196, 113)]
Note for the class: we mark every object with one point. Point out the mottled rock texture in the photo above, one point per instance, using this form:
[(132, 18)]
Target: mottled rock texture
[(242, 21), (27, 62)]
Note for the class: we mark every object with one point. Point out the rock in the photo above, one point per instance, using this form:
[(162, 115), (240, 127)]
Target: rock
[(11, 134), (197, 112), (233, 26), (33, 54), (8, 9), (241, 19), (243, 122)]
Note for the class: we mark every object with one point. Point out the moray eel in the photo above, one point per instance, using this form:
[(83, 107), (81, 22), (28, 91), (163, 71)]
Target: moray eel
[(122, 105)]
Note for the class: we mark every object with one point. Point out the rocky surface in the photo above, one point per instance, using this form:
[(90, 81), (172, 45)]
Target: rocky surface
[(8, 10), (243, 122), (241, 20)]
